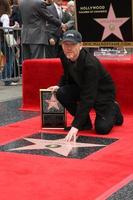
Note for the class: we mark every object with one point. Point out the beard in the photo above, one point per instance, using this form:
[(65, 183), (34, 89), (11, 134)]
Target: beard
[(70, 56)]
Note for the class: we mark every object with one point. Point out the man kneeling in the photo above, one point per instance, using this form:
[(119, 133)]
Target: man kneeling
[(84, 85)]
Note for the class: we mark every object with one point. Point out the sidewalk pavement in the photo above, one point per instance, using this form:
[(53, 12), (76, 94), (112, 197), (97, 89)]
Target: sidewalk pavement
[(10, 102), (10, 92)]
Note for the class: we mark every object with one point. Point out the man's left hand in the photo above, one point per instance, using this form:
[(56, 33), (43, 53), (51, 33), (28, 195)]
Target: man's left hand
[(71, 136)]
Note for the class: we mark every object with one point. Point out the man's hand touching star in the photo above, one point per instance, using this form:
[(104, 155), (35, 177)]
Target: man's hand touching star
[(71, 136)]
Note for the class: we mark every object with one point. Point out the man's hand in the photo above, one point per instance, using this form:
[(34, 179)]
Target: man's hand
[(64, 27), (53, 88), (71, 136), (52, 41)]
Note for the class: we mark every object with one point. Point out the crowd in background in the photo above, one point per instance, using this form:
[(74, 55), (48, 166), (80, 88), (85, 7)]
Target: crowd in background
[(44, 23), (9, 50), (40, 35), (41, 25), (38, 26)]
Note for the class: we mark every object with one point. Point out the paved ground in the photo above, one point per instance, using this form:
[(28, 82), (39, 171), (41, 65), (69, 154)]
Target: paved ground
[(10, 104), (10, 92)]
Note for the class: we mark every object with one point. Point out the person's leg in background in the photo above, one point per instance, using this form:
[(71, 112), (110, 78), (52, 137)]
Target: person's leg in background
[(26, 51), (38, 50), (8, 68)]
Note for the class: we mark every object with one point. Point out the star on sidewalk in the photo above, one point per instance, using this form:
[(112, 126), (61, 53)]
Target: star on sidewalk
[(59, 146), (52, 102), (112, 24)]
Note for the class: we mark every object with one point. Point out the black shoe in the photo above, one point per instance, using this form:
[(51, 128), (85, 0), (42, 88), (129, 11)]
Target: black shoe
[(118, 117)]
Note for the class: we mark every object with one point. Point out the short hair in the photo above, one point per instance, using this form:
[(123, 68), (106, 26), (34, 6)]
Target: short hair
[(70, 3)]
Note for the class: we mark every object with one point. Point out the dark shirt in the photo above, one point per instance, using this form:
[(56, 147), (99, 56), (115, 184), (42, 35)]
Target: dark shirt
[(95, 84)]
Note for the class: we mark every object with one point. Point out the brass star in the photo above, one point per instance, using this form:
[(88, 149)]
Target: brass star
[(59, 146)]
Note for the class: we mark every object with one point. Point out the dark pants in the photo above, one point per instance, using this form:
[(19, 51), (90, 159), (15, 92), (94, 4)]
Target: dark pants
[(34, 51), (69, 95), (11, 67)]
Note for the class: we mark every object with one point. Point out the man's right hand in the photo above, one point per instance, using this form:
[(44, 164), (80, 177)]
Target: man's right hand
[(53, 88)]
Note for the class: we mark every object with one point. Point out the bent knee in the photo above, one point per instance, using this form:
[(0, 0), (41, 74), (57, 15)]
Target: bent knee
[(103, 129)]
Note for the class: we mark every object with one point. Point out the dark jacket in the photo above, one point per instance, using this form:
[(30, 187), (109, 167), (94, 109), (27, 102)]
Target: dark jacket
[(54, 31), (95, 84), (35, 17)]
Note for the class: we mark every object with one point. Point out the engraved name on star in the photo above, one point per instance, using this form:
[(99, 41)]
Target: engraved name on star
[(112, 24), (59, 146), (52, 102)]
